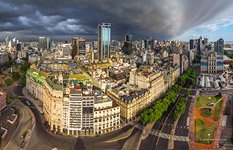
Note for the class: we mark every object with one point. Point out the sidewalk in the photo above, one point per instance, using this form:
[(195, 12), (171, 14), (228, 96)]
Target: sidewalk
[(219, 130), (147, 130), (26, 123), (37, 103)]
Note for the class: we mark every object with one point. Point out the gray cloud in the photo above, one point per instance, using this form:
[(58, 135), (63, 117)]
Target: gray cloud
[(158, 18)]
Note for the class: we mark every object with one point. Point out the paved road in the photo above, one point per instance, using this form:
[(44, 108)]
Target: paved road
[(179, 145), (150, 142), (24, 125), (182, 128), (42, 139)]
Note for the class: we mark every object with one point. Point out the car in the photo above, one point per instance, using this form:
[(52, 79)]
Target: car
[(210, 104), (28, 103)]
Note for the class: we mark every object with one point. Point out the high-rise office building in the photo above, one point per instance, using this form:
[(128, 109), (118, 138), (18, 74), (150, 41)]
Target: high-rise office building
[(78, 46), (42, 43), (18, 46), (127, 47), (128, 37), (219, 47), (142, 44), (205, 41), (191, 44), (104, 38), (147, 43), (48, 43), (199, 44)]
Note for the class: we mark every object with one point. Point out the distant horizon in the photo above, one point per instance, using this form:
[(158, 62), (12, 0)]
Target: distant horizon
[(92, 38)]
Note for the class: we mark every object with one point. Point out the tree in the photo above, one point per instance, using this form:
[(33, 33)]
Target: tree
[(187, 92), (23, 80), (180, 108), (227, 45), (15, 75), (8, 81), (16, 98), (8, 99), (231, 65), (191, 81), (25, 67)]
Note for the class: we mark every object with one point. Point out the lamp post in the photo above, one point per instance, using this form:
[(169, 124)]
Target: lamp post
[(209, 138)]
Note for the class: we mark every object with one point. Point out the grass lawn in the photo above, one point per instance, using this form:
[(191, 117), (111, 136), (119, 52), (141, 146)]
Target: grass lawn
[(205, 134), (217, 110), (202, 101), (199, 124)]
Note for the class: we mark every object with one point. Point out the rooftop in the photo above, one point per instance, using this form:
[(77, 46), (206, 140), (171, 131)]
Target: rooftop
[(134, 95), (54, 83)]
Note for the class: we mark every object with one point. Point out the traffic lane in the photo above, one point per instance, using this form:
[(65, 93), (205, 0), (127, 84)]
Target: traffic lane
[(113, 134), (62, 142), (182, 128), (158, 125), (148, 143), (170, 120), (96, 144), (132, 141), (168, 125), (181, 131), (180, 145), (162, 144)]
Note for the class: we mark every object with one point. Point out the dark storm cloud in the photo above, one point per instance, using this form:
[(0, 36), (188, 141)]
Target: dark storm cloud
[(164, 18)]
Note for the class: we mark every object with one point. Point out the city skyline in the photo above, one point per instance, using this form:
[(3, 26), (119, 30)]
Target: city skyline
[(184, 20), (107, 74)]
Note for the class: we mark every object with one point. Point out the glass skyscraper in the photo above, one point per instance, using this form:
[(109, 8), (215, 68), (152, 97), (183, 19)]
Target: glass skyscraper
[(104, 38)]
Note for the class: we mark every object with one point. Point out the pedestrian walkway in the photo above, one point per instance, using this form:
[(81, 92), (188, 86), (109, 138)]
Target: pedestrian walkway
[(162, 135)]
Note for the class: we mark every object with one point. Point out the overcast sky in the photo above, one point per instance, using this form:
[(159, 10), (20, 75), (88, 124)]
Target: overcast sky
[(160, 19)]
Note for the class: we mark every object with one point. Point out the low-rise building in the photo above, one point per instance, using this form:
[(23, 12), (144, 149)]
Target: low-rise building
[(144, 87), (212, 63), (130, 99), (106, 115), (150, 79)]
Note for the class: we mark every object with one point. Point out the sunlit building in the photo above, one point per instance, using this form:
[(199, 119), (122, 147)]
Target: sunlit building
[(104, 38), (71, 105)]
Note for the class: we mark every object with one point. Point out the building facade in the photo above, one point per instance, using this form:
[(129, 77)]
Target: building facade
[(78, 46), (149, 79), (143, 88), (104, 39), (212, 62), (72, 106)]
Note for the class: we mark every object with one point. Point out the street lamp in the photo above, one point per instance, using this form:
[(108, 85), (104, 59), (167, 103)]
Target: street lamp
[(209, 138)]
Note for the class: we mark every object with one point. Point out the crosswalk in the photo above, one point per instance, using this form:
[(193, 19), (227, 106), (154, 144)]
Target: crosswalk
[(164, 135)]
